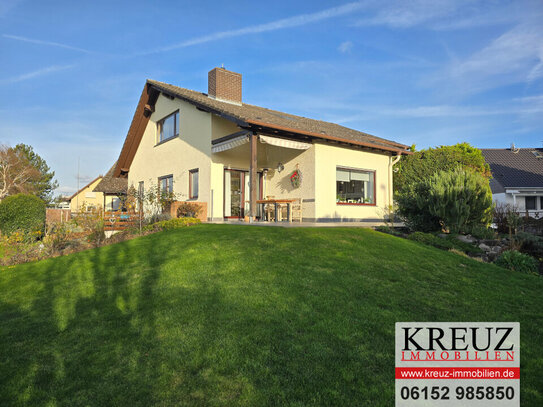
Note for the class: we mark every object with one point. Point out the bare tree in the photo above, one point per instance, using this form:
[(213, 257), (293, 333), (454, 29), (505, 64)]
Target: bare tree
[(17, 174)]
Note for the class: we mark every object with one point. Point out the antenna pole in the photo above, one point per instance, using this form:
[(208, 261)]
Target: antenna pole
[(77, 193)]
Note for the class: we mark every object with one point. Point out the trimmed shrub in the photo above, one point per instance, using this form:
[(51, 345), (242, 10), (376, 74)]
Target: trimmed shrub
[(423, 164), (188, 210), (22, 212), (517, 261)]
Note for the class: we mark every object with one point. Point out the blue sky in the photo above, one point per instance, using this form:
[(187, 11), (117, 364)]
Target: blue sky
[(427, 72)]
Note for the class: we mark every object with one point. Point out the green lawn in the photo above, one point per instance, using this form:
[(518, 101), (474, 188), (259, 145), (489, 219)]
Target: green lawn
[(230, 315)]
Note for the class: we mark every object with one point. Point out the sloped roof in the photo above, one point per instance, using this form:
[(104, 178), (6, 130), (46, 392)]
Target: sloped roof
[(86, 186), (112, 185), (247, 117), (514, 169), (257, 115)]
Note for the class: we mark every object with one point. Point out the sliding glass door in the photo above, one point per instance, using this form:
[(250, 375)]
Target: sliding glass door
[(236, 193), (233, 193)]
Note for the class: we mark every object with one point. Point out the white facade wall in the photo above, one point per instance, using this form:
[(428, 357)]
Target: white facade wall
[(192, 149)]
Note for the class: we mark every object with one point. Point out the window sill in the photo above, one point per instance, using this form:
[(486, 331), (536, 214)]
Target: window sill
[(165, 140), (194, 198), (355, 204)]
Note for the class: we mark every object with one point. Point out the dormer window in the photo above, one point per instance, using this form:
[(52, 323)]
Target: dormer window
[(168, 127)]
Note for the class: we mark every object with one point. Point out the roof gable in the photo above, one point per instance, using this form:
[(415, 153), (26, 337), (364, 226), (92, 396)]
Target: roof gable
[(98, 178), (246, 116)]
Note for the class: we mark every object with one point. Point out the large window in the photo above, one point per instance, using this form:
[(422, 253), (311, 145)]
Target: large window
[(355, 187), (168, 127), (193, 184), (530, 203), (166, 184)]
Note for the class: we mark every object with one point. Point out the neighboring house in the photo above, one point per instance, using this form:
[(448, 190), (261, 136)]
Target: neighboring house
[(63, 202), (86, 199), (113, 190), (517, 177), (214, 148)]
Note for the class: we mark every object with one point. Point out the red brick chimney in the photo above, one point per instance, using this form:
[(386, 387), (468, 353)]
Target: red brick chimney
[(224, 85)]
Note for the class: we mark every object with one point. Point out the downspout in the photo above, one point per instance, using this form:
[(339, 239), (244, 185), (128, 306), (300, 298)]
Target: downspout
[(391, 162)]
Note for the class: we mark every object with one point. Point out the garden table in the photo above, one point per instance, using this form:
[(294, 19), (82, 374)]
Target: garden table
[(276, 203)]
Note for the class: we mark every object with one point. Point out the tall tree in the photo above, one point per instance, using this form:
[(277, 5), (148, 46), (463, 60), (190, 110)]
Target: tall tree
[(45, 184), (17, 174)]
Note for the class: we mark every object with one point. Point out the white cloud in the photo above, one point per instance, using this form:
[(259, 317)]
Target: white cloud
[(404, 14), (345, 47), (48, 43), (288, 22), (450, 14), (35, 74), (515, 56)]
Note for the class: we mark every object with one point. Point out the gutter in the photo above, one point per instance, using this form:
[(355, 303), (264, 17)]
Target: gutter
[(391, 162)]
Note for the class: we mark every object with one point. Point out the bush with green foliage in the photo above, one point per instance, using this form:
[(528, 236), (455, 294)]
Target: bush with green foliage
[(455, 200), (410, 212), (422, 164), (22, 212), (188, 210), (482, 232), (517, 261), (530, 244)]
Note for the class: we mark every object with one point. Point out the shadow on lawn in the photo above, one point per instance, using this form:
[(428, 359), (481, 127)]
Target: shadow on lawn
[(131, 324), (90, 323), (192, 317)]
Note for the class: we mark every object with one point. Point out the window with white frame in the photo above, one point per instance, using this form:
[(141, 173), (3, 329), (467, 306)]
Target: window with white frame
[(168, 127), (356, 187)]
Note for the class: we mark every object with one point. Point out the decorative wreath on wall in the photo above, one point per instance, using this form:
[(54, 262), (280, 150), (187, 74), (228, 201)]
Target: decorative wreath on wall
[(296, 178)]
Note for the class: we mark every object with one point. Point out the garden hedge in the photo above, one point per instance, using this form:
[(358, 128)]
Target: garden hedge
[(22, 212)]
